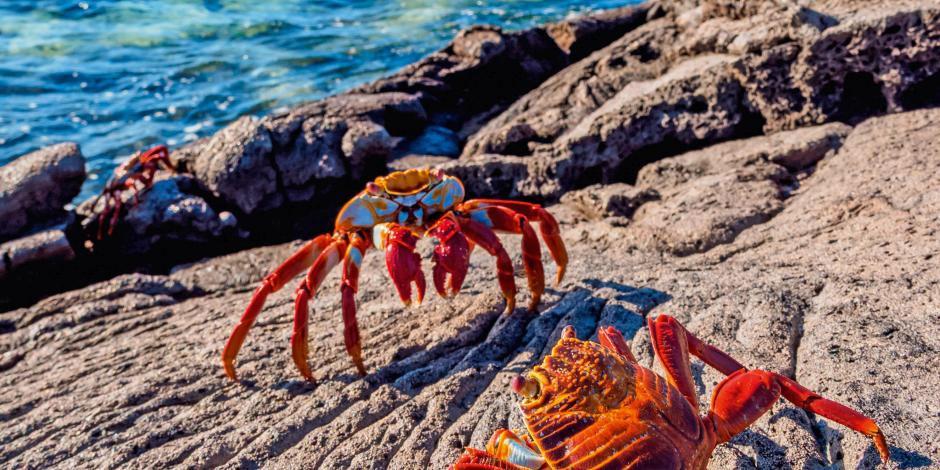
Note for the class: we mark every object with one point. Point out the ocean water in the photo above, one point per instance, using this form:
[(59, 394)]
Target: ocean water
[(121, 76)]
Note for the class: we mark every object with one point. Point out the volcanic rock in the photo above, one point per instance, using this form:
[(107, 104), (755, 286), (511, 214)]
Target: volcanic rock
[(35, 187)]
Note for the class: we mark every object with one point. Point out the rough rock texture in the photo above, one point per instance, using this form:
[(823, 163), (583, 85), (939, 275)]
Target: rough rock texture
[(699, 173), (49, 246), (838, 288), (34, 188), (711, 71), (570, 95), (707, 197)]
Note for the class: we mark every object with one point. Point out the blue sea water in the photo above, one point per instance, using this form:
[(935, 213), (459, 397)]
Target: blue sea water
[(120, 76)]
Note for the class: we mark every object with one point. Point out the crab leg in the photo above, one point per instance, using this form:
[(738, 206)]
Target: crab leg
[(745, 395), (294, 265), (548, 227), (104, 215), (506, 220), (350, 285), (404, 265), (673, 344), (118, 204), (484, 236), (308, 287), (451, 256)]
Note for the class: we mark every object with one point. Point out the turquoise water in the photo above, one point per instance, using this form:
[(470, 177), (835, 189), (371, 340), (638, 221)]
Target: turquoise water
[(117, 77)]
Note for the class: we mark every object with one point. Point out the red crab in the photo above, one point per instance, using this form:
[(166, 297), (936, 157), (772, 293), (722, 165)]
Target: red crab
[(137, 171), (591, 406), (391, 214)]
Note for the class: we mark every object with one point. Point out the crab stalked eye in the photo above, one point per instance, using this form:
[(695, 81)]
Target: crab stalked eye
[(528, 388), (436, 175), (373, 188)]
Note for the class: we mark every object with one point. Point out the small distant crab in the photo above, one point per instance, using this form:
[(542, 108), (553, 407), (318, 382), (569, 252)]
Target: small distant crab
[(136, 174), (391, 214), (591, 406)]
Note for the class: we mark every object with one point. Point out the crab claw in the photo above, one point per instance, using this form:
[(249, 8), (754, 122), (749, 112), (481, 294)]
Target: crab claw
[(451, 256), (404, 265)]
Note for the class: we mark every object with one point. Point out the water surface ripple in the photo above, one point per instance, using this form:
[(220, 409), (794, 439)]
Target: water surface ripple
[(120, 76)]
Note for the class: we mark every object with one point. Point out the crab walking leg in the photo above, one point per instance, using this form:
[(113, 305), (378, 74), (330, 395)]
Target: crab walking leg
[(451, 256), (118, 205), (548, 226), (671, 345), (745, 395), (103, 216), (294, 265), (308, 287), (503, 219), (485, 237), (350, 285), (404, 265)]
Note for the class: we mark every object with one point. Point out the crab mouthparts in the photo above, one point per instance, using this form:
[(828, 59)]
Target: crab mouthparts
[(526, 387)]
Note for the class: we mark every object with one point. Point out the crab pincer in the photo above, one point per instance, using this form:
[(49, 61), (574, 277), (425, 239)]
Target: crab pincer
[(404, 265), (451, 257)]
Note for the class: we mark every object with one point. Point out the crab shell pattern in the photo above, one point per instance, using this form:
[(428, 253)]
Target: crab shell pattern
[(591, 406)]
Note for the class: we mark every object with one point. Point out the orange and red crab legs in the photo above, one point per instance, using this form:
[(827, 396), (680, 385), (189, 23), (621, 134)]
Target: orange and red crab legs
[(294, 265), (308, 287), (358, 246), (481, 234), (548, 226), (745, 395)]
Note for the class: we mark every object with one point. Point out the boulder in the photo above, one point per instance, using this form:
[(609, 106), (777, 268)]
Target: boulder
[(46, 247), (567, 97), (35, 187)]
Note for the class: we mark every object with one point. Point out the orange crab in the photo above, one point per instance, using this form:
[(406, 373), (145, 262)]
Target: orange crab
[(136, 174), (391, 214), (591, 406)]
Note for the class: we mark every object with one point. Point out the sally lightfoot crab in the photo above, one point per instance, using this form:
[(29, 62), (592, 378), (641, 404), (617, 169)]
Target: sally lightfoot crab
[(136, 174), (391, 214), (591, 406)]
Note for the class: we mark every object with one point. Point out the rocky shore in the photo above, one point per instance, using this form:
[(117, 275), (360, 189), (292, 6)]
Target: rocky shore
[(767, 172)]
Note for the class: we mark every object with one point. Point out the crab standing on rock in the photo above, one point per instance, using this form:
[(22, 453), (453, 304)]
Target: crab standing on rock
[(391, 214), (591, 406), (136, 174)]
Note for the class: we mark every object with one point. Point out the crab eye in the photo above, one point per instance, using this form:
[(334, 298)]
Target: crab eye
[(373, 188), (528, 388)]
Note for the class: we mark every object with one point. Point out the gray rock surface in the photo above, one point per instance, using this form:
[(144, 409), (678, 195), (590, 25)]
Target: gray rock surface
[(810, 250), (838, 288), (48, 246), (167, 211), (712, 71), (35, 187)]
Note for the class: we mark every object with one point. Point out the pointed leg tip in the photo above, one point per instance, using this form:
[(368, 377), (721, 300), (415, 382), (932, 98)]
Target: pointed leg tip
[(230, 371)]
